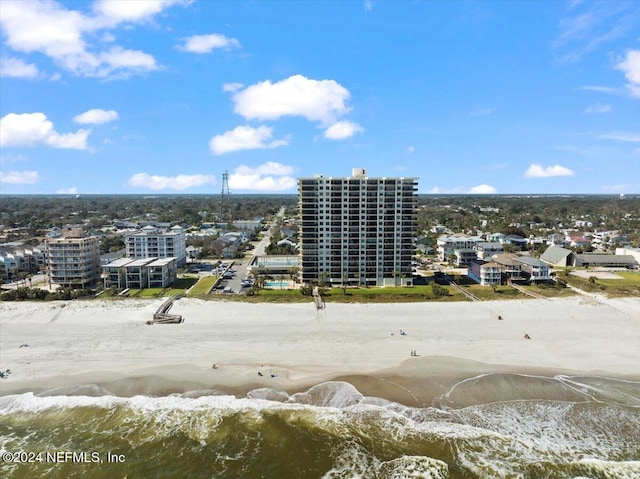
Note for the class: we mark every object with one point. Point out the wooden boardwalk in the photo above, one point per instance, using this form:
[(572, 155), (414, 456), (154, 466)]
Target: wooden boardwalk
[(162, 316), (526, 291), (463, 291)]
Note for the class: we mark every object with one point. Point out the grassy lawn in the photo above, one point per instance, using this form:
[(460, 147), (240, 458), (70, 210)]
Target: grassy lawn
[(203, 286), (184, 283), (150, 292), (629, 285), (390, 294), (352, 295), (486, 293), (550, 290)]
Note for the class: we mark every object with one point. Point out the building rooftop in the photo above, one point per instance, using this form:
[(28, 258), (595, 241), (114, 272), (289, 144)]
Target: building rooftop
[(119, 263), (140, 262), (162, 261), (528, 260)]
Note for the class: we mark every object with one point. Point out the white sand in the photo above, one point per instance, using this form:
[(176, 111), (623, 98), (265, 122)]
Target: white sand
[(92, 341)]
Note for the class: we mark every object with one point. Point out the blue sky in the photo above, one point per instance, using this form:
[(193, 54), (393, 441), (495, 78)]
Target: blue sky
[(142, 96)]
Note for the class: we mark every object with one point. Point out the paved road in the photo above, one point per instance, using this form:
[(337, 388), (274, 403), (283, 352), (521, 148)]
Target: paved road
[(37, 280), (242, 266)]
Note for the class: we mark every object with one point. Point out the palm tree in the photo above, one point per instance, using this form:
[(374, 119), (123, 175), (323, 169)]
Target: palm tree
[(293, 273)]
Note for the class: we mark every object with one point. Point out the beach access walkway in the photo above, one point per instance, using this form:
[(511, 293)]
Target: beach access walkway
[(162, 315), (526, 291), (463, 291)]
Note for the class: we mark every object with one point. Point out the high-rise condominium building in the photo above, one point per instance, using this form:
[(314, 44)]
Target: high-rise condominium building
[(357, 230), (73, 261), (152, 242)]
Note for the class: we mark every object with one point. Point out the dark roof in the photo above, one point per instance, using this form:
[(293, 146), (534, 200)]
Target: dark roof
[(603, 258)]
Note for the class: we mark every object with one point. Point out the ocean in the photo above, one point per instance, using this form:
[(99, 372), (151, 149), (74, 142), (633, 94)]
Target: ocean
[(489, 426)]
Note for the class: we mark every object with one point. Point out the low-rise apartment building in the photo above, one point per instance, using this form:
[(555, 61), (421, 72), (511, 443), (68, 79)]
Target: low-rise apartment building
[(140, 273)]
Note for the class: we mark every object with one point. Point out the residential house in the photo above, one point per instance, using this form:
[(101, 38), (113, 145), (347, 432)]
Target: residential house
[(486, 249), (486, 273), (536, 269), (465, 244), (511, 269), (516, 241)]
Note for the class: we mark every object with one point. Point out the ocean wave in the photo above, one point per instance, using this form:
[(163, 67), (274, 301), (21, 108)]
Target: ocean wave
[(333, 431)]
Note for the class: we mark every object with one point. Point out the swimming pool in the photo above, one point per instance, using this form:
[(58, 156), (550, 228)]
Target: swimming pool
[(283, 284)]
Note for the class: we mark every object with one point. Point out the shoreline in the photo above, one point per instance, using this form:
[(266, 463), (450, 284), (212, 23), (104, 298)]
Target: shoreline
[(108, 344)]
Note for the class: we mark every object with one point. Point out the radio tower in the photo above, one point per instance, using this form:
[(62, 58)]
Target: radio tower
[(225, 205)]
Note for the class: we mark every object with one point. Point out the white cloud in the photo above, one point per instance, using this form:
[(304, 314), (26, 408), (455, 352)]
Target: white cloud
[(19, 177), (179, 182), (30, 129), (17, 68), (268, 168), (66, 36), (96, 116), (621, 136), (132, 11), (410, 150), (342, 129), (631, 68), (482, 190), (266, 177), (538, 171), (118, 58), (244, 138), (315, 100), (368, 5), (206, 43), (67, 191), (598, 108)]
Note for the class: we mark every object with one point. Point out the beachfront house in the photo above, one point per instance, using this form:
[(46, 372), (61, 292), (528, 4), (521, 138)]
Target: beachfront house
[(537, 270), (486, 273), (511, 269)]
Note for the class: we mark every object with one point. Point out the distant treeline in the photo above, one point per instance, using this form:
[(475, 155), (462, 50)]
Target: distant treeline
[(525, 215)]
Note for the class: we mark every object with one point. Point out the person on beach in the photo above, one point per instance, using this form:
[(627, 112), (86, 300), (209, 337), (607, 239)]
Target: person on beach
[(526, 336)]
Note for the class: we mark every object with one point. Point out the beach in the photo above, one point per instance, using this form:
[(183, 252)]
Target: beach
[(294, 346), (285, 390)]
